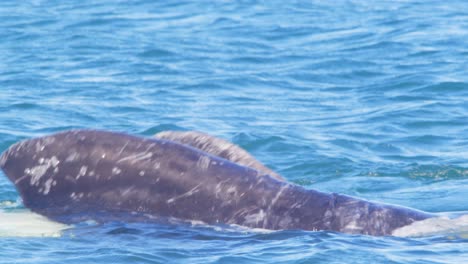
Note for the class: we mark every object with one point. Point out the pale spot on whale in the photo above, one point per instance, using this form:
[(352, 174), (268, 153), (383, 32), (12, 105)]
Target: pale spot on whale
[(76, 196), (72, 157), (47, 185), (203, 162), (255, 218), (116, 171), (82, 172)]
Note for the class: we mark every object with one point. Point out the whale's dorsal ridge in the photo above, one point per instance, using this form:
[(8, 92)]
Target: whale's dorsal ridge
[(218, 147)]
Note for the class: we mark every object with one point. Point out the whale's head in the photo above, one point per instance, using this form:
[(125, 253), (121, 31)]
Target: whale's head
[(32, 166), (33, 161), (16, 158)]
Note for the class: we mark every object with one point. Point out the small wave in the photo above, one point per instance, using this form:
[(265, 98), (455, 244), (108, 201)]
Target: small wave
[(444, 87), (156, 53), (437, 173), (444, 226)]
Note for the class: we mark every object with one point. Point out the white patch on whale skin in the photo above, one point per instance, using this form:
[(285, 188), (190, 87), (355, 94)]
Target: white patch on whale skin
[(38, 171), (203, 162), (116, 171), (72, 157), (82, 172), (254, 219), (48, 140), (232, 190), (47, 186), (76, 196), (353, 227)]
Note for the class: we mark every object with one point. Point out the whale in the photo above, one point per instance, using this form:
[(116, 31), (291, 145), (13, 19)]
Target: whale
[(79, 175), (218, 147)]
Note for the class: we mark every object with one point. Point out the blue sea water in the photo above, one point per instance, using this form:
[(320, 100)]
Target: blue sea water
[(365, 98)]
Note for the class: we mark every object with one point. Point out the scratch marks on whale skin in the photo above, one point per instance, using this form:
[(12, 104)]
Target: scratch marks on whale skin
[(277, 196), (123, 148), (203, 163), (187, 194), (146, 154), (136, 157)]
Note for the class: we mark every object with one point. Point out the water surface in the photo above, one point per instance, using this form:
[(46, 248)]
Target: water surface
[(365, 99)]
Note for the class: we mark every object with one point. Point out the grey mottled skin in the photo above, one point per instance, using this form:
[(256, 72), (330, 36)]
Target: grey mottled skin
[(218, 147), (87, 174)]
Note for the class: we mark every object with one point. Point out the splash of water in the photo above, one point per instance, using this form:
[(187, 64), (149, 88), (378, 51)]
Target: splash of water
[(443, 225), (24, 223)]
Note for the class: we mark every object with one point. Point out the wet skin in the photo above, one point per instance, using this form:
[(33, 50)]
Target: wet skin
[(88, 174)]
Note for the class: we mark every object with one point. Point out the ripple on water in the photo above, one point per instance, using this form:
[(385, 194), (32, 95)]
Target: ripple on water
[(366, 99)]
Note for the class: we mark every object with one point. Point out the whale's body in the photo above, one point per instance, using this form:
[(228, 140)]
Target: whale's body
[(87, 174)]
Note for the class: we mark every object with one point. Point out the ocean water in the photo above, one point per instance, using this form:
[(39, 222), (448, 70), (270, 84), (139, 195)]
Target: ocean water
[(368, 99)]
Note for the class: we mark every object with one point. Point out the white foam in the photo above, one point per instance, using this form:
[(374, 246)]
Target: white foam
[(231, 228), (24, 223), (435, 226)]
